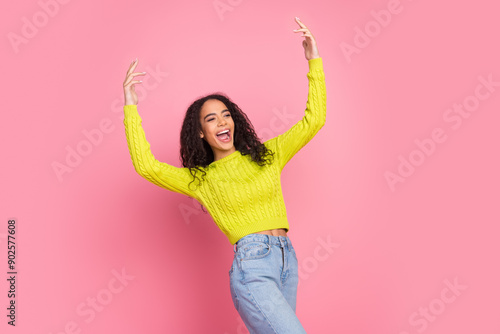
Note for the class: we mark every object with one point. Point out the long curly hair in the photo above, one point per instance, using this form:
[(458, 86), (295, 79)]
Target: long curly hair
[(196, 153)]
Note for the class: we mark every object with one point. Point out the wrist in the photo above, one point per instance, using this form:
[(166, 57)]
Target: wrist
[(314, 56)]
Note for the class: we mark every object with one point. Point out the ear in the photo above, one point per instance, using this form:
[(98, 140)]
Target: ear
[(201, 134)]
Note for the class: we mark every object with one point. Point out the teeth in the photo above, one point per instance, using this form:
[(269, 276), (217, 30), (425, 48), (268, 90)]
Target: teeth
[(223, 132)]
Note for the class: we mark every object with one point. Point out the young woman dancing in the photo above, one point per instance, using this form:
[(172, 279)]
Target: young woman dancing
[(241, 188)]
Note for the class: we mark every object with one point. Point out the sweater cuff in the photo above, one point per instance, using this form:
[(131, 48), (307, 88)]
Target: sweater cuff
[(130, 110), (315, 63)]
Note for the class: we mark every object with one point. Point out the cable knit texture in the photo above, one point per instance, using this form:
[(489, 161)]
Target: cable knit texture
[(241, 196)]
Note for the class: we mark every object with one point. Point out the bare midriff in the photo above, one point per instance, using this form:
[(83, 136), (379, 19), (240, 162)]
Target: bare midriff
[(276, 232)]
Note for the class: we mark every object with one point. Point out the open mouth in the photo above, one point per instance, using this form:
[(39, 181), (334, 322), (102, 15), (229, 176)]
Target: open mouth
[(224, 136)]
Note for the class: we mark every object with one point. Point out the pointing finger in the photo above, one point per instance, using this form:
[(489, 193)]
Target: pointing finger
[(300, 22), (132, 66)]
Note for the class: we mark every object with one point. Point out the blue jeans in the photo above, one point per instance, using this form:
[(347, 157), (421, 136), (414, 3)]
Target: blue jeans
[(263, 280)]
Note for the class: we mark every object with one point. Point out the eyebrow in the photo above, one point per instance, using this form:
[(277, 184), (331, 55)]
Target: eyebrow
[(212, 113)]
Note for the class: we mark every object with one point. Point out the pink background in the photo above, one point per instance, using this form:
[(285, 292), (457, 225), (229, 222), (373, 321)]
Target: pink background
[(395, 248)]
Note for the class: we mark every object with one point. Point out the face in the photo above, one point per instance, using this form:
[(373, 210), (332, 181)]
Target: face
[(215, 118)]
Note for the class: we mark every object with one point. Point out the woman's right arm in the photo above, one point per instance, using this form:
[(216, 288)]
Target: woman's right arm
[(162, 174)]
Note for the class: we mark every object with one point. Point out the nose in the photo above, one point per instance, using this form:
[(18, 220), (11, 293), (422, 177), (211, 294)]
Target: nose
[(222, 121)]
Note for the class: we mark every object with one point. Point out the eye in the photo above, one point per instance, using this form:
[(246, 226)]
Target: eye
[(226, 115)]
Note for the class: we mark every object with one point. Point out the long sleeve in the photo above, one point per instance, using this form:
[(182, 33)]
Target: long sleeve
[(162, 174), (289, 143)]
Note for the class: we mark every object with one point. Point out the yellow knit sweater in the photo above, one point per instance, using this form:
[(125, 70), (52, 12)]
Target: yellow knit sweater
[(241, 196)]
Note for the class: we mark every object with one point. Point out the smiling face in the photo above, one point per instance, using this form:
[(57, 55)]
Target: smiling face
[(216, 118)]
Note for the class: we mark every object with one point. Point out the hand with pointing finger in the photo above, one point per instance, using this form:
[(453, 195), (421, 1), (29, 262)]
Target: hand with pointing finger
[(309, 43), (128, 84)]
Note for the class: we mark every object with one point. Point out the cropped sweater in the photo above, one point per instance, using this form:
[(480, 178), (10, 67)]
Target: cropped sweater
[(241, 196)]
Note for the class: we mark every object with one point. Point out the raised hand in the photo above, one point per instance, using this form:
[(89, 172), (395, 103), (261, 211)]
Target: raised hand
[(128, 84), (309, 43)]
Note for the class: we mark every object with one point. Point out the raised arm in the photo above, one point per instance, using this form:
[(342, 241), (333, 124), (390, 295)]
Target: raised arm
[(162, 174), (289, 143)]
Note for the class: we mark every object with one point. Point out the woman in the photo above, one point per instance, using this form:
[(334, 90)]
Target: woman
[(241, 188)]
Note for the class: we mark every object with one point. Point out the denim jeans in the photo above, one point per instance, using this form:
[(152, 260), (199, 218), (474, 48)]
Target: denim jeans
[(263, 281)]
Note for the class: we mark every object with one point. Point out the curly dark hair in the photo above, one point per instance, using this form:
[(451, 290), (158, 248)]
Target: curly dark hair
[(196, 153)]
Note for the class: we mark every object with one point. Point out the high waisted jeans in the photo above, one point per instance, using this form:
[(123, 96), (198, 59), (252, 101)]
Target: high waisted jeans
[(263, 280)]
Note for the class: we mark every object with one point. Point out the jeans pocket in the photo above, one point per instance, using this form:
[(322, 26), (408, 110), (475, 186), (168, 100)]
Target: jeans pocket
[(254, 250)]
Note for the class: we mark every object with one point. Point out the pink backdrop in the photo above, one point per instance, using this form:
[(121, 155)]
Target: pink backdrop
[(393, 206)]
